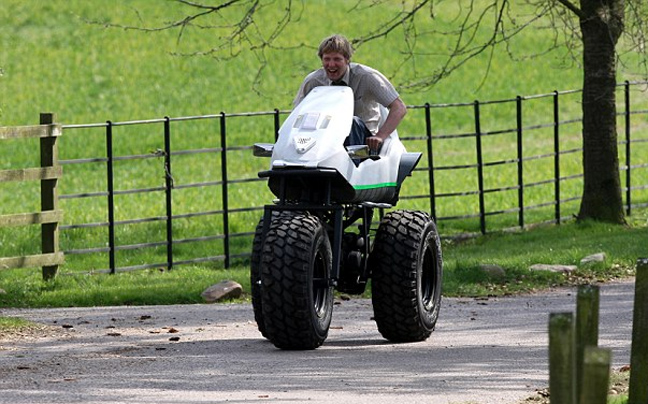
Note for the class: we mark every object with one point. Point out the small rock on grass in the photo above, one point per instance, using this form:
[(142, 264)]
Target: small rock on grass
[(222, 290), (493, 271), (566, 269), (591, 259)]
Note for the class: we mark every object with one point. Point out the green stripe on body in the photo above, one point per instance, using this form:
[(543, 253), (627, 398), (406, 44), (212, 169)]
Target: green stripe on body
[(373, 186)]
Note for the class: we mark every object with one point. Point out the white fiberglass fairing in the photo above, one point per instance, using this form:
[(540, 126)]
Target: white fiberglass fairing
[(312, 137)]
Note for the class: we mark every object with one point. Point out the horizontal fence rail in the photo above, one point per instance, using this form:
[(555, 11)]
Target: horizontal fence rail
[(188, 186), (48, 175)]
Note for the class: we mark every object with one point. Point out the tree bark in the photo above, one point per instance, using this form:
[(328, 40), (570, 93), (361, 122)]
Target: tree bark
[(601, 23)]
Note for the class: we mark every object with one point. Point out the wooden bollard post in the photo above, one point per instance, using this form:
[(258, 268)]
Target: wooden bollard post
[(596, 375), (587, 327), (638, 389), (562, 358)]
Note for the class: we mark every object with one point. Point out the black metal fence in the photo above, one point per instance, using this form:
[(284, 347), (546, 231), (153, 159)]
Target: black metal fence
[(165, 192)]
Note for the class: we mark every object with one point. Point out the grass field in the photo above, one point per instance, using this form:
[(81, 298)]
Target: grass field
[(53, 59), (60, 57)]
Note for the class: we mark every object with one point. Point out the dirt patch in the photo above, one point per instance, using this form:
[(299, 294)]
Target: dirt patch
[(619, 384)]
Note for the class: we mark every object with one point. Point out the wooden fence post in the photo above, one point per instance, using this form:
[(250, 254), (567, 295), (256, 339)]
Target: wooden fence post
[(587, 328), (596, 375), (638, 393), (49, 195), (562, 358)]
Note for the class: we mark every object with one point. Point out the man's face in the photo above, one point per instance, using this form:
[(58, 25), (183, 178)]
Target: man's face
[(335, 65)]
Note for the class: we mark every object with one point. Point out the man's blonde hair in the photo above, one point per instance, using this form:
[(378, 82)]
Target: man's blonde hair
[(335, 43)]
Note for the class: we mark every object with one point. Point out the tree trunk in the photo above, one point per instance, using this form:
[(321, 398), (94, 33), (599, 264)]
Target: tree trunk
[(601, 24)]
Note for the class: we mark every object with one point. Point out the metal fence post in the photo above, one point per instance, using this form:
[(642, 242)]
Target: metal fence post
[(556, 118), (480, 169), (111, 198), (520, 162), (168, 186), (225, 198), (277, 124), (430, 158), (627, 148)]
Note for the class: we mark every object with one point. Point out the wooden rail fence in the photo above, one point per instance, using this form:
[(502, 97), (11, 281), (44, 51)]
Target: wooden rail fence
[(48, 174), (579, 371)]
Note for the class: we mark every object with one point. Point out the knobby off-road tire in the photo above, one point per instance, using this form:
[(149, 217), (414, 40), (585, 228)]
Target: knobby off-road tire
[(407, 271), (255, 277), (255, 272), (297, 303)]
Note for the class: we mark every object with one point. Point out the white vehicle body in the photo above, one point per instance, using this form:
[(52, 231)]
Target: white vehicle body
[(312, 138)]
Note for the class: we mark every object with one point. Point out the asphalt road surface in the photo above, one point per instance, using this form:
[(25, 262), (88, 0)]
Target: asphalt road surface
[(484, 351)]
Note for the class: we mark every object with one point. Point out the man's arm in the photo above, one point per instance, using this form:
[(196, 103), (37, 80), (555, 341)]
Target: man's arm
[(397, 111)]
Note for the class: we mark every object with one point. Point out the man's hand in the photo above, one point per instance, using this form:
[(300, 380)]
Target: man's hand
[(374, 143)]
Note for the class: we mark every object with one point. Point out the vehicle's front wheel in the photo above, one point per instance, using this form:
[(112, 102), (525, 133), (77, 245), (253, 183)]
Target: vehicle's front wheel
[(407, 271), (255, 277), (297, 299)]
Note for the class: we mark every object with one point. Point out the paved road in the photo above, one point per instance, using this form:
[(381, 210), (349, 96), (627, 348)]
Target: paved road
[(490, 351)]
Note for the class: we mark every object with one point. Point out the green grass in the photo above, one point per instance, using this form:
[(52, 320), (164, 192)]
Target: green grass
[(564, 244), (12, 323), (16, 326), (54, 60), (619, 381), (144, 287), (58, 56)]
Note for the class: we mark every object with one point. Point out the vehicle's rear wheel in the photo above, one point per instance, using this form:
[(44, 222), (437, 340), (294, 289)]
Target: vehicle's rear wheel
[(297, 299), (407, 271)]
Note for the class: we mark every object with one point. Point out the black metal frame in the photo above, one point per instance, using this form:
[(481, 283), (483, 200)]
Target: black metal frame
[(337, 217), (434, 167)]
